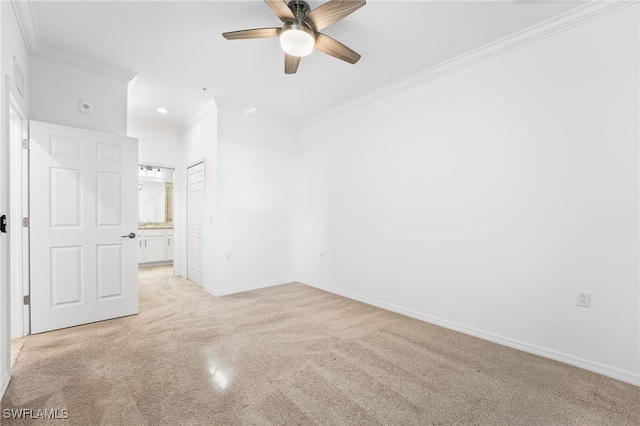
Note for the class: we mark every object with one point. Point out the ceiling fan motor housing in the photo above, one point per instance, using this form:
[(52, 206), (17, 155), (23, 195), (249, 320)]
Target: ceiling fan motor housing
[(299, 26), (299, 9)]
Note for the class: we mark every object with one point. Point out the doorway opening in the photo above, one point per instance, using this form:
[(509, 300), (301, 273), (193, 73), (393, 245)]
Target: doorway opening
[(155, 215)]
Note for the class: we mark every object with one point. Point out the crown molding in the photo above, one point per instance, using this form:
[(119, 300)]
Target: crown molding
[(25, 16), (244, 109), (209, 107), (84, 64), (562, 22), (27, 23)]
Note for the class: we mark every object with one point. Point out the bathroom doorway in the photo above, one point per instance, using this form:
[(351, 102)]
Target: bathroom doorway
[(155, 215)]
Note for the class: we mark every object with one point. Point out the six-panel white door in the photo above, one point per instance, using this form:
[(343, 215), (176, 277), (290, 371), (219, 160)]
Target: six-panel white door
[(84, 265), (195, 215)]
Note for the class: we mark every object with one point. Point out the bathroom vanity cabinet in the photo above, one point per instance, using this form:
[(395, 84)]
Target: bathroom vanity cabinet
[(156, 244)]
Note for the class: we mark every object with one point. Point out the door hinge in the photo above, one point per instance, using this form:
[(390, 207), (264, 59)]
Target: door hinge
[(27, 300), (25, 222), (25, 143)]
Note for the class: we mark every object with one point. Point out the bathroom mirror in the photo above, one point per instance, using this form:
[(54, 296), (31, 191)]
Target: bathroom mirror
[(155, 196)]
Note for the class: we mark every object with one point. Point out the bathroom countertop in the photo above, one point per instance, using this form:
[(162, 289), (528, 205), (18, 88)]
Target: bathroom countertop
[(155, 226)]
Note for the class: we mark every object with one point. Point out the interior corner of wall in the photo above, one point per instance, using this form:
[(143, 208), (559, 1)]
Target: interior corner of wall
[(4, 383), (211, 291), (208, 108)]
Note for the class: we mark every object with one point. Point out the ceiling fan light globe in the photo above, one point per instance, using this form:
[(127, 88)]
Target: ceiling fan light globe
[(297, 41)]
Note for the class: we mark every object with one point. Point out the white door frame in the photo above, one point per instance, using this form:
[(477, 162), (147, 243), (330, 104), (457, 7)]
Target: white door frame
[(5, 291), (18, 234)]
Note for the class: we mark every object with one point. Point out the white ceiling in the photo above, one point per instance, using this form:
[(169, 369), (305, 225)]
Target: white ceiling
[(176, 48)]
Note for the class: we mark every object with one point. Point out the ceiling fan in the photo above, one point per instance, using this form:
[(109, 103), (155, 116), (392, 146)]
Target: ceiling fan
[(299, 34)]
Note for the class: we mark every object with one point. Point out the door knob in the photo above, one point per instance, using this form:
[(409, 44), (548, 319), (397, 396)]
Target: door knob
[(130, 235)]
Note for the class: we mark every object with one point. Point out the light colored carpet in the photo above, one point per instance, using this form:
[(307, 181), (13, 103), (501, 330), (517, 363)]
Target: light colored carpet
[(294, 355), (16, 347)]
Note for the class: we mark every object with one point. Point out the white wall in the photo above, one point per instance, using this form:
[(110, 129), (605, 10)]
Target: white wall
[(56, 90), (256, 190), (11, 45), (484, 200), (157, 147), (199, 143)]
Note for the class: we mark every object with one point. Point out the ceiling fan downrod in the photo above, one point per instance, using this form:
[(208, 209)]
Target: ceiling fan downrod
[(299, 8)]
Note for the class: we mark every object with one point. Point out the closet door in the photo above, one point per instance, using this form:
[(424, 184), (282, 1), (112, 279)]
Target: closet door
[(195, 215)]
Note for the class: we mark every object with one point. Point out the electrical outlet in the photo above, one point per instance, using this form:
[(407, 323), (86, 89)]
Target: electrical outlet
[(322, 256), (584, 299), (228, 257)]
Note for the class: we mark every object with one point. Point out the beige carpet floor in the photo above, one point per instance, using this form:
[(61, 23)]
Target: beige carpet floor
[(294, 355)]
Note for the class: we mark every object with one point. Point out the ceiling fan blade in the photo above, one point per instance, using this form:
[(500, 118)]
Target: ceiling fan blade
[(333, 47), (253, 33), (332, 12), (291, 63), (281, 10)]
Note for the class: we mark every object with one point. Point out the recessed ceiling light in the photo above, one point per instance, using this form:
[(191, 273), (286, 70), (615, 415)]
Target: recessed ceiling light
[(162, 110)]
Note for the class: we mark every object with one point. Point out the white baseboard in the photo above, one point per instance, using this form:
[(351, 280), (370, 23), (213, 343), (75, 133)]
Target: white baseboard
[(154, 264), (228, 291), (615, 373)]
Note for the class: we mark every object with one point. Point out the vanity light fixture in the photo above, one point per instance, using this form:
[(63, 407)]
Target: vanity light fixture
[(149, 171)]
